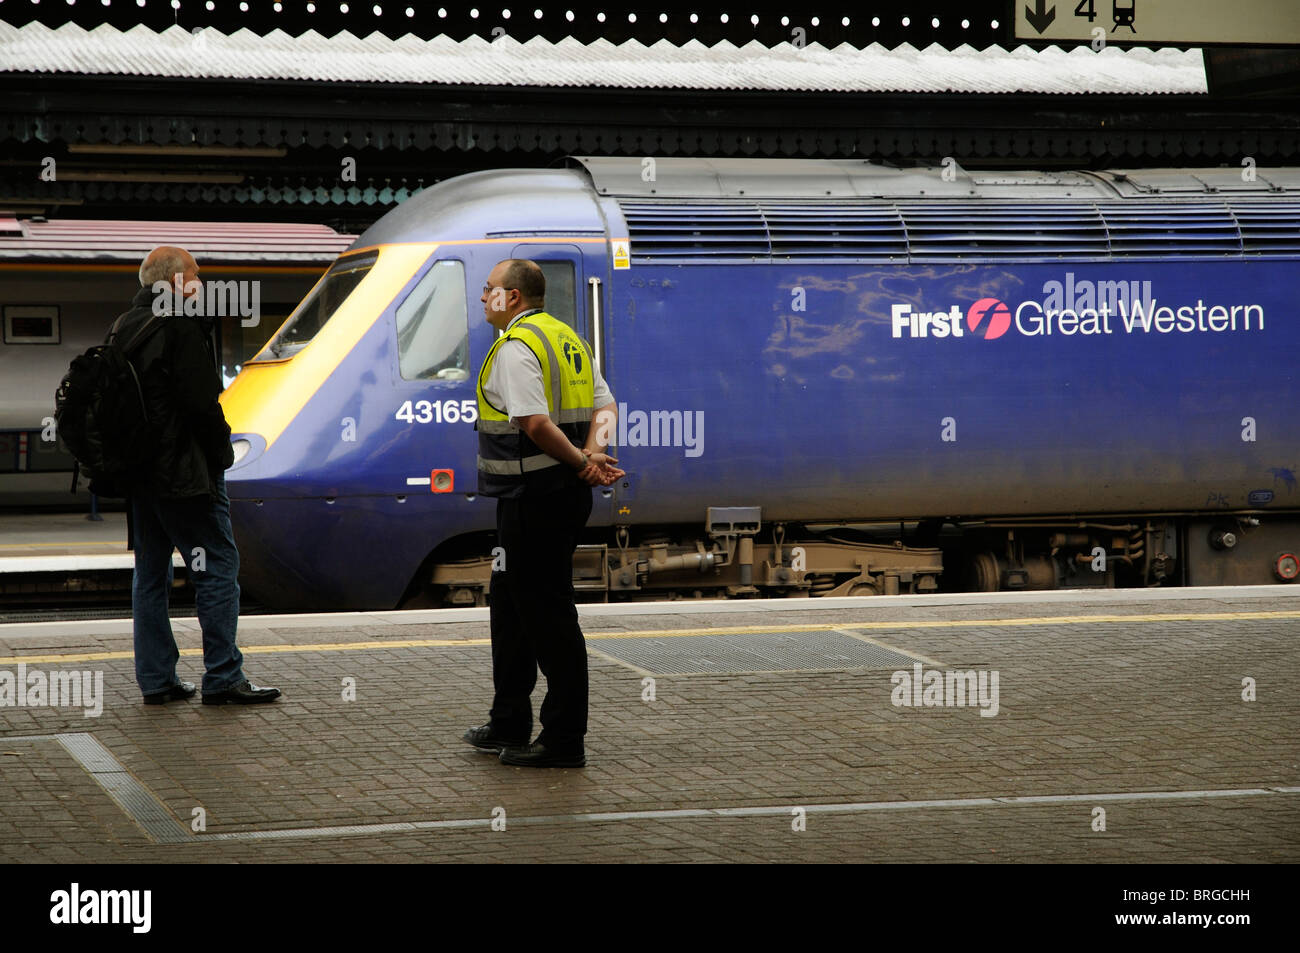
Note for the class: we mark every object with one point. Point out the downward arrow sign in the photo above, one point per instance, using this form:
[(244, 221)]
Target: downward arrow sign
[(1040, 18)]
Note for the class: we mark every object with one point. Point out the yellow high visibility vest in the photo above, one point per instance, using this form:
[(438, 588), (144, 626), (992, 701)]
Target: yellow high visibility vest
[(508, 462)]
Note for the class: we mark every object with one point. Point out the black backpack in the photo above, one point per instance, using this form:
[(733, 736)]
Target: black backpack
[(102, 417)]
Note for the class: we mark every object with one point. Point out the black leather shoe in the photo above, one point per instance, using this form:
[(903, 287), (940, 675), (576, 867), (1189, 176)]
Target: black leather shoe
[(245, 693), (483, 739), (176, 693), (537, 755)]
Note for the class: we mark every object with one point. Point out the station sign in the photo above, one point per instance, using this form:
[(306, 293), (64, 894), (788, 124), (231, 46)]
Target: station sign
[(1161, 22)]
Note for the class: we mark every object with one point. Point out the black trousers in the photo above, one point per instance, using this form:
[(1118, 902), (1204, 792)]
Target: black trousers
[(534, 621)]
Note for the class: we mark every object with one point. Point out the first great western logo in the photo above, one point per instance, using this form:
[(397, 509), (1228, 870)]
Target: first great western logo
[(1077, 307)]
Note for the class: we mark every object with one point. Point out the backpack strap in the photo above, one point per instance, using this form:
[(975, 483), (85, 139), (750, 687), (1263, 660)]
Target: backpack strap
[(140, 336), (117, 324)]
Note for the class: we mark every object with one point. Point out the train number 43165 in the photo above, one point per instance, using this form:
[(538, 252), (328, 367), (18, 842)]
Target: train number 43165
[(438, 412)]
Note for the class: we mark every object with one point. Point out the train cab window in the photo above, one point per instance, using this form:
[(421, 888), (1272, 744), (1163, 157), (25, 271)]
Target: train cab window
[(238, 344), (319, 306), (561, 300), (433, 326)]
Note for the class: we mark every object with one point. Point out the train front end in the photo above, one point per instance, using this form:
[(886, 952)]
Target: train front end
[(323, 493)]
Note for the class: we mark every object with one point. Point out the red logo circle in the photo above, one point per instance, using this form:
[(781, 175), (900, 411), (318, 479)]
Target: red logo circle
[(999, 318)]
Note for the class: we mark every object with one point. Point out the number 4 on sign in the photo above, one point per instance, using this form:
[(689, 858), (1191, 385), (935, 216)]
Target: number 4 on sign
[(1090, 12)]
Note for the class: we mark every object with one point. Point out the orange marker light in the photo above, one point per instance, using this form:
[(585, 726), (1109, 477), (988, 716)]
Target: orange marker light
[(442, 481)]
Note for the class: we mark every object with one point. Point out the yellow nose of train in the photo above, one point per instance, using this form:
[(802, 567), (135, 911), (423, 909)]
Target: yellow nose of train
[(334, 458)]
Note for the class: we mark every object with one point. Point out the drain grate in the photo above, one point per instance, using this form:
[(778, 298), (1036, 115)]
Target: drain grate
[(753, 652)]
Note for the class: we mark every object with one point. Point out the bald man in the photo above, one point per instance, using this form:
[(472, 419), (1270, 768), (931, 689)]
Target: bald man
[(179, 500), (541, 450)]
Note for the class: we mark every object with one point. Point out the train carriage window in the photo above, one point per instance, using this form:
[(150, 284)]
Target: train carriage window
[(433, 326), (9, 442), (46, 456), (31, 324), (319, 306)]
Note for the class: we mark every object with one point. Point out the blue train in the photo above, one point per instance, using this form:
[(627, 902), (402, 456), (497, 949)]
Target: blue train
[(833, 378)]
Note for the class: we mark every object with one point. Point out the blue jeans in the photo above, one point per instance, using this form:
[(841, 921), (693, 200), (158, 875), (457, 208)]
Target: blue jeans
[(188, 525)]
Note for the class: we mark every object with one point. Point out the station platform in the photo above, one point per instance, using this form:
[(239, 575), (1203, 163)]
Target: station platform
[(65, 542), (1122, 727), (67, 564)]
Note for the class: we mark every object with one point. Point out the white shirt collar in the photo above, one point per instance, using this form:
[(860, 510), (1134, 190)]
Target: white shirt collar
[(523, 314)]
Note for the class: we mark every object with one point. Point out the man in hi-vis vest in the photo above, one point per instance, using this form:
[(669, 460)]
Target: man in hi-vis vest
[(544, 416)]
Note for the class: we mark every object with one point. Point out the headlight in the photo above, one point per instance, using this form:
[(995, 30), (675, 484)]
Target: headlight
[(241, 448)]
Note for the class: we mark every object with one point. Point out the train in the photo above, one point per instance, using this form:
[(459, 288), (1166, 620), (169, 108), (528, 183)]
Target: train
[(834, 377)]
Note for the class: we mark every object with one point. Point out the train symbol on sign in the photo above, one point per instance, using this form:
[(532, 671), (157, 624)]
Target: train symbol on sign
[(1124, 12)]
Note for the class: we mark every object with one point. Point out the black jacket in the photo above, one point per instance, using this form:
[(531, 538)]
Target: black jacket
[(181, 386)]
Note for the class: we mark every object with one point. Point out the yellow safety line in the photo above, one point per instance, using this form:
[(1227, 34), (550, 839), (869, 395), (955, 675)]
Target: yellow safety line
[(261, 649), (674, 633), (955, 623)]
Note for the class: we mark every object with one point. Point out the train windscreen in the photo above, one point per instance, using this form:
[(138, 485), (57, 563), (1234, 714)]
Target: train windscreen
[(319, 306)]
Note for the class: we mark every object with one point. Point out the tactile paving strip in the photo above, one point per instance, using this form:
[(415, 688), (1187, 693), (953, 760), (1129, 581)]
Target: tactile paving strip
[(751, 652), (136, 800)]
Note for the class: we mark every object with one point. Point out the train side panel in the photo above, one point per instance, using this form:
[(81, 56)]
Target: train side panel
[(843, 391)]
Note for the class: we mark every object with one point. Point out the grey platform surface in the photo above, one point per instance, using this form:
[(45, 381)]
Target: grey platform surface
[(1170, 712)]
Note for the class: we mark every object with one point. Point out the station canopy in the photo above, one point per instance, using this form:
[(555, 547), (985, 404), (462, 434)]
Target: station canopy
[(333, 112)]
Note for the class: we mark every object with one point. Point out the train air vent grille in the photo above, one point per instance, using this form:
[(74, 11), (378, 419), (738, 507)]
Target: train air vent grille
[(1268, 229), (860, 232), (1147, 229), (939, 231), (672, 230), (946, 231)]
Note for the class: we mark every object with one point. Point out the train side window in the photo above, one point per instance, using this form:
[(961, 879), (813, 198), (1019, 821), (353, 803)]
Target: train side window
[(47, 456), (561, 301), (31, 324), (9, 441), (433, 326)]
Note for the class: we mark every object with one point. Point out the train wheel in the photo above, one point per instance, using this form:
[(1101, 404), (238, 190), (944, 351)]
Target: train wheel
[(986, 576)]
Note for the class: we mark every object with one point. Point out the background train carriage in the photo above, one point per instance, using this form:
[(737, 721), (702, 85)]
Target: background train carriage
[(773, 301), (63, 282)]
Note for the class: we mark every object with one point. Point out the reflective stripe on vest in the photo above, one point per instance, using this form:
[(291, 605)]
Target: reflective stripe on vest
[(538, 461), (506, 455)]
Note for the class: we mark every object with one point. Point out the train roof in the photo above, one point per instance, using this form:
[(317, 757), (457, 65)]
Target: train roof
[(70, 241), (676, 209), (498, 203), (754, 179)]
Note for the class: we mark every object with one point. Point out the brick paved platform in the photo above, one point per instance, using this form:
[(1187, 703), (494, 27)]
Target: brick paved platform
[(1129, 702)]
